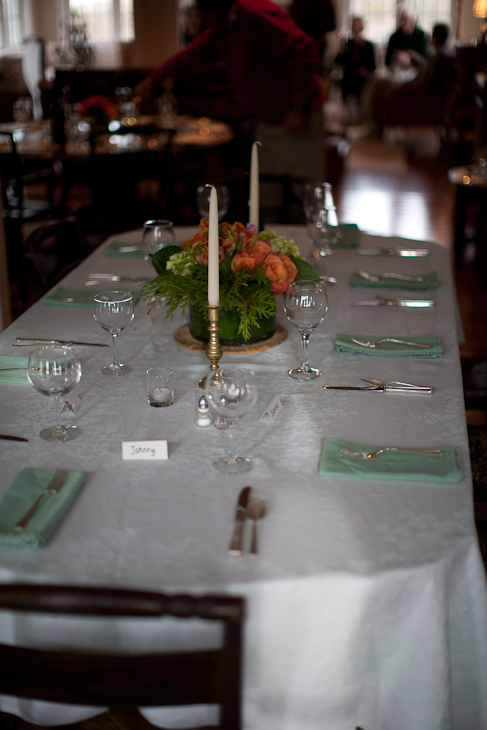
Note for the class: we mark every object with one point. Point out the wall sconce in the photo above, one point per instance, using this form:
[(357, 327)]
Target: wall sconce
[(480, 11)]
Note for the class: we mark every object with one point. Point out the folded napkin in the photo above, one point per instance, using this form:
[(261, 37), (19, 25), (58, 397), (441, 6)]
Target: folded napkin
[(13, 376), (343, 343), (430, 282), (115, 248), (27, 486), (350, 236), (390, 465), (83, 298)]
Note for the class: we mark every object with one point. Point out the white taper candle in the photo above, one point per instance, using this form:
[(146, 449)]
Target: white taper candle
[(254, 186), (213, 251)]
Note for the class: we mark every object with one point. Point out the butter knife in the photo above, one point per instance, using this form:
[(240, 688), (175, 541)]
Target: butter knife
[(235, 548), (7, 437), (405, 252), (382, 302), (25, 342), (419, 389)]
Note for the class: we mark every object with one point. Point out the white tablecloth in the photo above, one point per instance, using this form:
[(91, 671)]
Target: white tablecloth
[(367, 604)]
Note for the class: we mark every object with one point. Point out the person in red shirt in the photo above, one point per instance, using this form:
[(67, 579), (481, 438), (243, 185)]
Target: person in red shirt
[(273, 69)]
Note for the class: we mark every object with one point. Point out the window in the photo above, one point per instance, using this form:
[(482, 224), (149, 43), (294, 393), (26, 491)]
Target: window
[(11, 30), (380, 16), (106, 20)]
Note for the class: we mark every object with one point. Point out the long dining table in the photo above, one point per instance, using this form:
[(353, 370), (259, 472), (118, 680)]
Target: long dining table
[(367, 601)]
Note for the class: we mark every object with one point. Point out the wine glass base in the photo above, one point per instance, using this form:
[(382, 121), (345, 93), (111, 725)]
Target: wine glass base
[(233, 465), (60, 435), (299, 374), (116, 371)]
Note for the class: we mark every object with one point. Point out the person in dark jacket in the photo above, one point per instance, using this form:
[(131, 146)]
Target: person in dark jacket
[(357, 58), (408, 46)]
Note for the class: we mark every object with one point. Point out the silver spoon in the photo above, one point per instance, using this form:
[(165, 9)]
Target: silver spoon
[(256, 511)]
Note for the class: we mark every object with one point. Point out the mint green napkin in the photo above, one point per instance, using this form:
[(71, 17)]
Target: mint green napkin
[(343, 343), (430, 282), (113, 249), (83, 297), (350, 236), (390, 465), (13, 376), (27, 486)]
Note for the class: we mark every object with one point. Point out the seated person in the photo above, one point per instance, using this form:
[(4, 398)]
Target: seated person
[(358, 60), (428, 89), (407, 49)]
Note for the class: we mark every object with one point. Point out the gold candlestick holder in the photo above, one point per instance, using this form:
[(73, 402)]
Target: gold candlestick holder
[(214, 350)]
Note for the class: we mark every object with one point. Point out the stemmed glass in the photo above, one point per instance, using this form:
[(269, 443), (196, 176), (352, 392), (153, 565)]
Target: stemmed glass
[(319, 195), (231, 393), (203, 200), (305, 305), (157, 234), (114, 310), (322, 233), (55, 371)]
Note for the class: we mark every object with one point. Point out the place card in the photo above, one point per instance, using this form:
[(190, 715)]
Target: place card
[(72, 402), (273, 409), (144, 450)]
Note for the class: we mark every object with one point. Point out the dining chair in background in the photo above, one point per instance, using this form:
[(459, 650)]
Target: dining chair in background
[(91, 678), (50, 252)]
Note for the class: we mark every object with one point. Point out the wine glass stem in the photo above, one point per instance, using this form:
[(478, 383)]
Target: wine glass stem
[(304, 357), (58, 405), (115, 350), (231, 445)]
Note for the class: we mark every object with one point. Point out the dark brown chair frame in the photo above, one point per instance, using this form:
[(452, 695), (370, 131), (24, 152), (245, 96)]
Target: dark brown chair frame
[(130, 680)]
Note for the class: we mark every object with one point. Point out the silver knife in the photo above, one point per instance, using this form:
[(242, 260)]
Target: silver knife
[(6, 437), (25, 342), (235, 548), (426, 390), (378, 302), (116, 277), (405, 252)]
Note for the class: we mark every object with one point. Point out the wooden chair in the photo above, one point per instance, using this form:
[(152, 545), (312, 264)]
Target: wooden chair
[(50, 252), (126, 680)]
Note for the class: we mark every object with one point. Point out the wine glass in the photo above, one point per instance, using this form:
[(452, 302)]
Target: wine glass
[(231, 393), (203, 200), (54, 370), (157, 234), (114, 310), (305, 305)]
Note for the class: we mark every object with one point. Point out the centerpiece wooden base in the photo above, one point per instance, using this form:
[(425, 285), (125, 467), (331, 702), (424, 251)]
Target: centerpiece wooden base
[(184, 337)]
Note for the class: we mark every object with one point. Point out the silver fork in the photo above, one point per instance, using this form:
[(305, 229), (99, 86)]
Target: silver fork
[(374, 343), (54, 486), (402, 277), (371, 454)]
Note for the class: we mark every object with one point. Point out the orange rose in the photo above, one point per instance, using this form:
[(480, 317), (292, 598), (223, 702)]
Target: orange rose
[(259, 251), (242, 259), (275, 269), (280, 288), (291, 269)]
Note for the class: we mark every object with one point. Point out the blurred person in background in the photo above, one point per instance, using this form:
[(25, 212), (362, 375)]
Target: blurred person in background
[(357, 57), (407, 49), (273, 70)]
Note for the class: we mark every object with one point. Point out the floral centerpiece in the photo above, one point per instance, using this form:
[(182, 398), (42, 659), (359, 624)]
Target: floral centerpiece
[(254, 268), (99, 108)]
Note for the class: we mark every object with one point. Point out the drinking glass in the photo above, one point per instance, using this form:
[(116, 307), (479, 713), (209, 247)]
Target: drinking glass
[(203, 200), (114, 310), (157, 234), (305, 305), (55, 371), (319, 195), (231, 393), (323, 234), (22, 109)]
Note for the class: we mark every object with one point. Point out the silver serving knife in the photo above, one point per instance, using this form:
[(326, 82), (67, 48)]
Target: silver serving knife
[(25, 342), (235, 548), (405, 252)]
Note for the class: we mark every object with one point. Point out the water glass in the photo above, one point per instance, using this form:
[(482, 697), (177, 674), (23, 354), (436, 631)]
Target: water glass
[(157, 234), (160, 391)]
